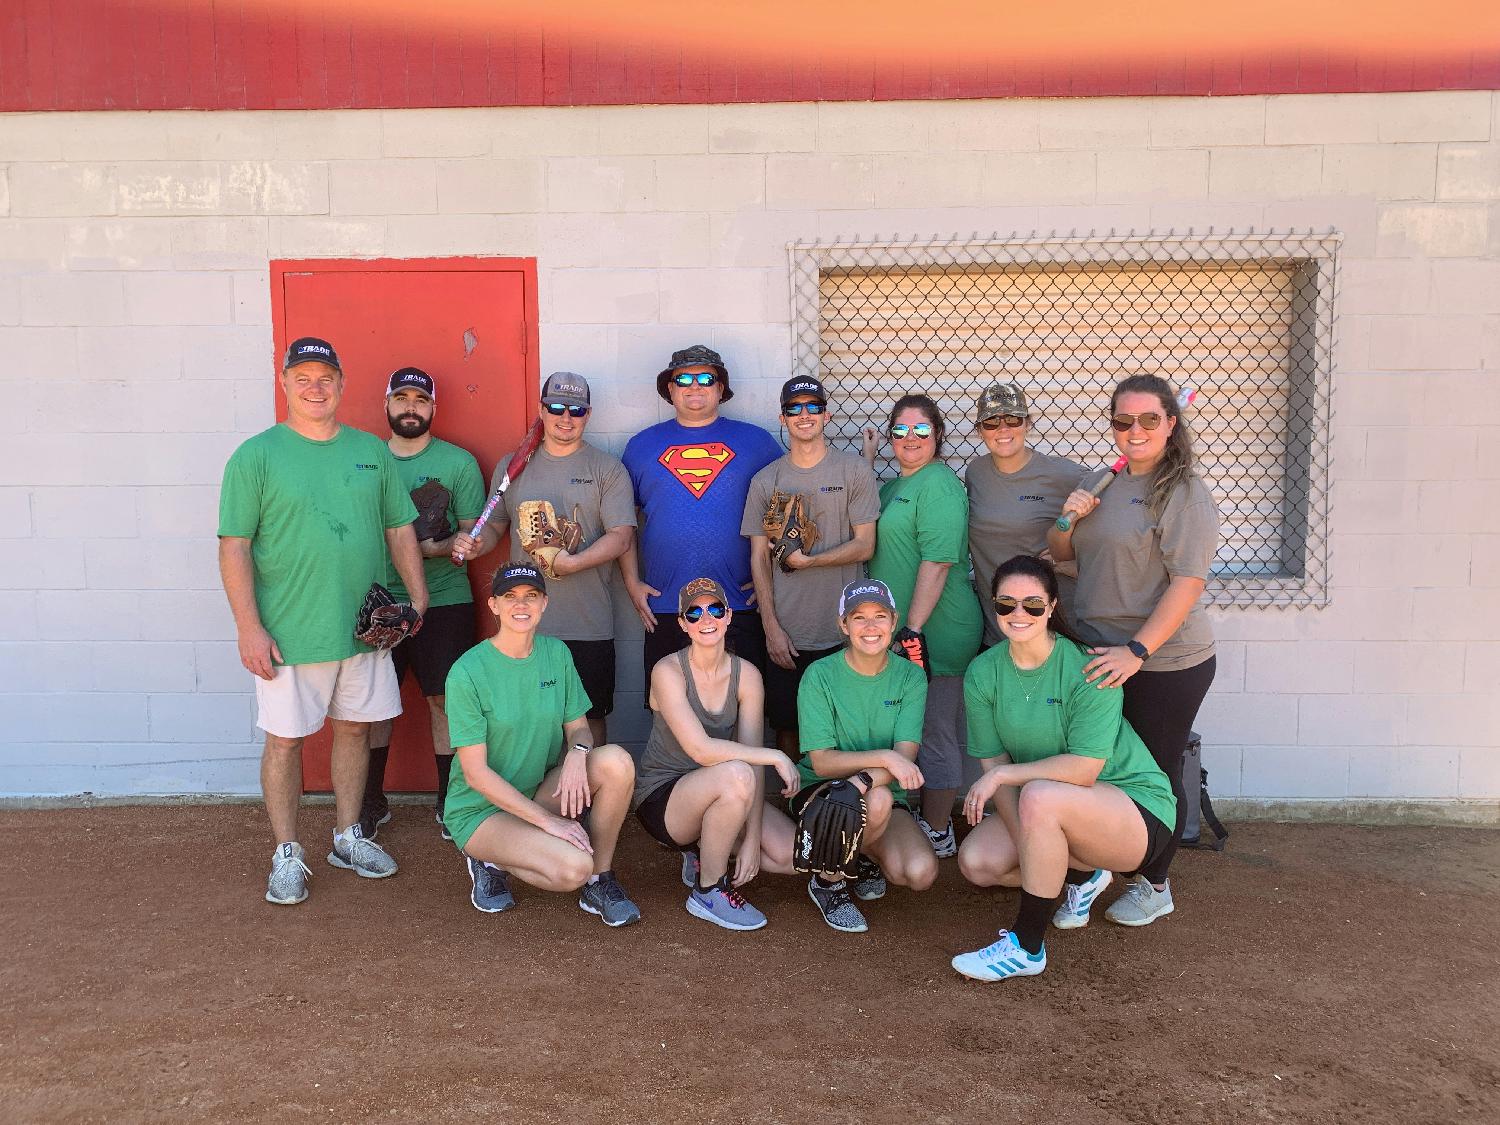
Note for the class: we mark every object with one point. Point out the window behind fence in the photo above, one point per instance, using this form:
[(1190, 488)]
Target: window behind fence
[(1245, 320)]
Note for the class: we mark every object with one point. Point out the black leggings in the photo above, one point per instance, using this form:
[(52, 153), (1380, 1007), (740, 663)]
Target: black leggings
[(1162, 707)]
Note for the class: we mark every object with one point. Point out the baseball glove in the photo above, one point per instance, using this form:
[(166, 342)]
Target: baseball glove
[(830, 829), (544, 534), (913, 645), (432, 501), (788, 526), (382, 621)]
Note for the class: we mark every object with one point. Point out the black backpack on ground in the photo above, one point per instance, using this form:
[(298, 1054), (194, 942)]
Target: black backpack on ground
[(1200, 812)]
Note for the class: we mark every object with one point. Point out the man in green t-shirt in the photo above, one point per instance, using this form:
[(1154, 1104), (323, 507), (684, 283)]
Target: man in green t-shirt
[(308, 513), (859, 716), (427, 466)]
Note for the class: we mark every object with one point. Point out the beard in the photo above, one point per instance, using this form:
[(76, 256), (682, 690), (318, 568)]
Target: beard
[(408, 425)]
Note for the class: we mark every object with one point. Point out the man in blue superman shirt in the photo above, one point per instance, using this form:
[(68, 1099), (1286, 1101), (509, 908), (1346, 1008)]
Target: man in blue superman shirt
[(691, 474)]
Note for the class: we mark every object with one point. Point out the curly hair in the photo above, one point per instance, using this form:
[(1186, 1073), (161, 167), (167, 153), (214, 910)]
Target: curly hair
[(1176, 464)]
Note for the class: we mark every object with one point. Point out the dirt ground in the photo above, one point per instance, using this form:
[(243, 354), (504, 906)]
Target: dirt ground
[(1328, 974)]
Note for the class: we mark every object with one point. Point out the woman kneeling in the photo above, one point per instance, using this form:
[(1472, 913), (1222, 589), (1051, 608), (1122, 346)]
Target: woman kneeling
[(701, 788), (1076, 791)]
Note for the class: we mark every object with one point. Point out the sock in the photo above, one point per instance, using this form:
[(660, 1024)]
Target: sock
[(595, 877), (825, 884), (1032, 919), (375, 777), (701, 889), (1078, 878)]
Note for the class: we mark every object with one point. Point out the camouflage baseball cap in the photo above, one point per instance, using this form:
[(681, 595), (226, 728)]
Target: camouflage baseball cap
[(1001, 398), (699, 355)]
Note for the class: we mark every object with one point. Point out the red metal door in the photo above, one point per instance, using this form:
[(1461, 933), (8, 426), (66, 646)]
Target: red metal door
[(470, 323)]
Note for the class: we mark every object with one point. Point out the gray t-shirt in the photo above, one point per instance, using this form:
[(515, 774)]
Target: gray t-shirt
[(578, 606), (840, 491), (1126, 560), (1009, 514), (664, 759)]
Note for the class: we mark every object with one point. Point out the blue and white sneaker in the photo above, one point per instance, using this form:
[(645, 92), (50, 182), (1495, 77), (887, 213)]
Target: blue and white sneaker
[(1078, 899), (722, 905), (491, 890), (1005, 958), (689, 868)]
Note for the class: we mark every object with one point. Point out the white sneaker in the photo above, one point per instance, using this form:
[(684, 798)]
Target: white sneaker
[(1078, 900), (365, 858), (1005, 958), (288, 882), (944, 843), (1141, 904)]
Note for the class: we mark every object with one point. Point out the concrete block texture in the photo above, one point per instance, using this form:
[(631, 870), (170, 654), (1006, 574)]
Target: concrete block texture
[(383, 187), (1152, 175), (1333, 119), (188, 717), (820, 181), (82, 716), (1093, 123), (1434, 230), (763, 128), (490, 186), (61, 189), (1469, 171), (1453, 115), (599, 183), (1265, 172), (710, 183), (120, 244), (1204, 122), (1045, 177), (1381, 171)]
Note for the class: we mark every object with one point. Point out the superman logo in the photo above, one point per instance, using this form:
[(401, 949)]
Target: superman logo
[(696, 466)]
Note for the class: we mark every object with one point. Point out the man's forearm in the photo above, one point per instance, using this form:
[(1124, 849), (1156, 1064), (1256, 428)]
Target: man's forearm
[(407, 559), (237, 572)]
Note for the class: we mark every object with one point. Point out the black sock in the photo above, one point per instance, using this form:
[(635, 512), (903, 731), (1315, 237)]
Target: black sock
[(824, 883), (1032, 919), (375, 776), (444, 768), (1078, 878)]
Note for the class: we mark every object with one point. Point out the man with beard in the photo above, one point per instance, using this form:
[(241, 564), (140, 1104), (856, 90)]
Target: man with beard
[(422, 463)]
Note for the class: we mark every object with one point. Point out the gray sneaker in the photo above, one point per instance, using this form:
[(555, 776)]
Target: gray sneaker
[(869, 884), (689, 868), (606, 898), (723, 906), (365, 858), (288, 883), (491, 893), (838, 908), (1141, 904)]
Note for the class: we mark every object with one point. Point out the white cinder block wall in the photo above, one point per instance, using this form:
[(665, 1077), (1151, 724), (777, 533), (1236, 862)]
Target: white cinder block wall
[(136, 342)]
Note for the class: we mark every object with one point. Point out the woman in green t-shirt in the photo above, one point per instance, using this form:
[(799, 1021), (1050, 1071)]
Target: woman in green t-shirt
[(1076, 791), (516, 801), (922, 554)]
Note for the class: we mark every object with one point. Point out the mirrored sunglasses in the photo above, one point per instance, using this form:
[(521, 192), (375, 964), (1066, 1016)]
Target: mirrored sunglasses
[(921, 430), (688, 378), (792, 409), (1009, 421), (558, 409), (1005, 605), (694, 613), (1123, 422)]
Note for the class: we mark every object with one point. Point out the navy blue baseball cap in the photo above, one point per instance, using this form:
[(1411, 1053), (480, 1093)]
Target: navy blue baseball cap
[(310, 349), (516, 574), (413, 377), (863, 590), (803, 385)]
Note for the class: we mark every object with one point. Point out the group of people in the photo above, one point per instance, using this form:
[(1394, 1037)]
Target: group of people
[(864, 647)]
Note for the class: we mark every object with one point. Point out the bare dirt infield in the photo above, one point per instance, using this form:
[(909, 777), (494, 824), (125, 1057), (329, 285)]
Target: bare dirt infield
[(1310, 974)]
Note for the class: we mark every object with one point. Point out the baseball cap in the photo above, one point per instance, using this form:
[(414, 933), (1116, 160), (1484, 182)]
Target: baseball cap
[(802, 385), (697, 588), (413, 377), (516, 574), (698, 355), (310, 349), (567, 388), (1001, 398), (864, 590)]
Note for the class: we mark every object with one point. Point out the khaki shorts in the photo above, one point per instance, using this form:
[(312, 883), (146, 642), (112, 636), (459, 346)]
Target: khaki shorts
[(359, 689)]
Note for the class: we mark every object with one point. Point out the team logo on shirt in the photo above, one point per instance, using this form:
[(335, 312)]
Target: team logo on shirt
[(363, 465), (891, 702), (832, 488), (1031, 497), (549, 683), (696, 466)]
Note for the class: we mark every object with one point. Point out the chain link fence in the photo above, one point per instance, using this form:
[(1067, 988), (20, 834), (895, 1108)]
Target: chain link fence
[(1245, 319)]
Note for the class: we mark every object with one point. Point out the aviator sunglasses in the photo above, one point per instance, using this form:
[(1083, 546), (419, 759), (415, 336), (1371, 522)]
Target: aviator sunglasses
[(921, 430), (1123, 422), (558, 409), (1009, 421), (792, 409), (694, 613), (688, 378), (1005, 605)]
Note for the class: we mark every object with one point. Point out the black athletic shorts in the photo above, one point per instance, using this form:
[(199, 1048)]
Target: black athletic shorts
[(746, 638), (1158, 836), (781, 687), (652, 813), (595, 661), (447, 633)]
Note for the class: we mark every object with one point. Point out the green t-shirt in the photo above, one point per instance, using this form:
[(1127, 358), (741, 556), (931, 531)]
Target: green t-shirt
[(316, 513), (457, 471), (1053, 710), (925, 518), (839, 709), (517, 708)]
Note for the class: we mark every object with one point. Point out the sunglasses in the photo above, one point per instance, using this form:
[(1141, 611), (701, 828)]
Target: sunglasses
[(558, 409), (694, 613), (921, 430), (1005, 605), (1009, 421), (1123, 422), (792, 409), (688, 378)]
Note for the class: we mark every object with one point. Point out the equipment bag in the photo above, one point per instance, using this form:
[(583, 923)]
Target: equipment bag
[(1199, 812)]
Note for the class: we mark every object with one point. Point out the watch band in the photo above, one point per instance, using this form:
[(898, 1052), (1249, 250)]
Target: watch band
[(1139, 650), (864, 775), (581, 746)]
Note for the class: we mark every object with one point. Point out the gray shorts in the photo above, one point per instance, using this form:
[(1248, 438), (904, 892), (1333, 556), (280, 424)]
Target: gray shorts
[(944, 733)]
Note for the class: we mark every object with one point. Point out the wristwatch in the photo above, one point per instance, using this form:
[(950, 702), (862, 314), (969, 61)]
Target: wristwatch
[(581, 746), (864, 775), (1138, 650)]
